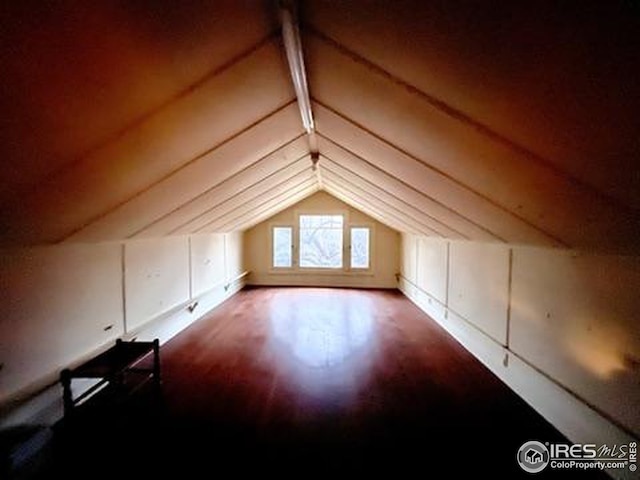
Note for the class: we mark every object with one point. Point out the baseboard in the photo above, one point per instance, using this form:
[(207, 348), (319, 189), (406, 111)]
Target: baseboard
[(316, 285)]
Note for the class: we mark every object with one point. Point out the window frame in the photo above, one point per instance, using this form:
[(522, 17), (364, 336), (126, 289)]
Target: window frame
[(341, 268), (346, 269), (369, 227), (272, 227), (321, 211)]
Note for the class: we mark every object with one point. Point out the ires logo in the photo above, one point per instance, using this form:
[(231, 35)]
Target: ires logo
[(533, 456), (560, 451)]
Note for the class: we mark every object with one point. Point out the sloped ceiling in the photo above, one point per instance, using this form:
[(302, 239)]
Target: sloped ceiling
[(500, 121)]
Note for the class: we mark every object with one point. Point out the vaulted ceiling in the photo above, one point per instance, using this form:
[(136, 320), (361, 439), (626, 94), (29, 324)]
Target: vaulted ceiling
[(496, 121)]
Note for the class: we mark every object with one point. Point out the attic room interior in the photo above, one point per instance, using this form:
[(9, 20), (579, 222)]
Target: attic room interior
[(368, 237)]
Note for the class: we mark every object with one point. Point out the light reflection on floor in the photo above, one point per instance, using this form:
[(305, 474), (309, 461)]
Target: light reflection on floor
[(324, 346)]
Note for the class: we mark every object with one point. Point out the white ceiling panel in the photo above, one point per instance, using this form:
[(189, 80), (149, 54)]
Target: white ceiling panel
[(140, 120), (245, 200), (267, 208), (185, 130), (275, 138)]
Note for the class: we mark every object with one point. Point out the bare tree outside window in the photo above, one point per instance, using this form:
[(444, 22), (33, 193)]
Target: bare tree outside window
[(282, 247), (321, 241), (359, 247)]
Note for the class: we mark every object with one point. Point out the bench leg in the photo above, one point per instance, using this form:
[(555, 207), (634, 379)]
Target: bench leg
[(156, 362), (67, 395)]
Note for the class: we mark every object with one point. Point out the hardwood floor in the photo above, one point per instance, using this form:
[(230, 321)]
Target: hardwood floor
[(310, 381)]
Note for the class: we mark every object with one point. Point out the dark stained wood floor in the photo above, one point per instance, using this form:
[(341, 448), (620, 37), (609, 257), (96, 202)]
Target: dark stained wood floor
[(314, 382)]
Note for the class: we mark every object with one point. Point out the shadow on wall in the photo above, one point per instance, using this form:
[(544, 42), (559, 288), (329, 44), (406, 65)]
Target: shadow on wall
[(574, 316)]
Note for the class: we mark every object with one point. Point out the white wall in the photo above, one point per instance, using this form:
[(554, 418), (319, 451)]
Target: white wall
[(58, 304), (65, 303), (384, 254), (575, 317), (156, 278), (208, 261), (560, 327), (478, 285), (234, 260)]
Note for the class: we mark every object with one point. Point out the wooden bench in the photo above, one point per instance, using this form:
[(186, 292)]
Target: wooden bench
[(111, 368)]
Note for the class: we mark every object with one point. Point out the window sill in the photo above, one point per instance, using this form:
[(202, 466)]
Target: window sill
[(325, 272)]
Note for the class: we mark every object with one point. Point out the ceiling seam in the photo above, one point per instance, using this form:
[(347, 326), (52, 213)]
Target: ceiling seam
[(220, 184), (239, 192), (487, 199), (288, 193), (350, 186), (418, 191), (140, 120), (307, 179), (288, 202), (359, 192), (249, 200), (468, 120), (357, 203), (375, 214), (386, 192), (166, 176), (392, 224)]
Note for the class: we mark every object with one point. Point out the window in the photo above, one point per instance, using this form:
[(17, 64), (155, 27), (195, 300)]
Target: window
[(321, 241), (282, 247), (360, 247)]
